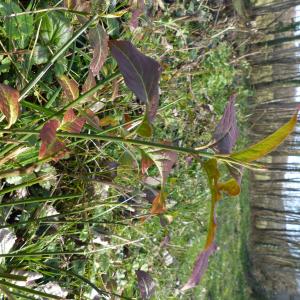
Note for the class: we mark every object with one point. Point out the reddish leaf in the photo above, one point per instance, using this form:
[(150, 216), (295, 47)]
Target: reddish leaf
[(201, 263), (51, 146), (99, 41), (226, 132), (48, 132), (146, 163), (70, 88), (159, 204), (137, 9), (9, 103), (72, 123), (141, 74), (200, 267), (146, 284)]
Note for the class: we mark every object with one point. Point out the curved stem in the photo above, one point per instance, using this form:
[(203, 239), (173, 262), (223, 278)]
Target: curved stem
[(115, 139)]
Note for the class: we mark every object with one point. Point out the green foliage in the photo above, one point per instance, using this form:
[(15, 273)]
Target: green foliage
[(18, 30), (93, 195)]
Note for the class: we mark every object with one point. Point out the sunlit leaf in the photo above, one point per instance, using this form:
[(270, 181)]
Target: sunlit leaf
[(69, 87), (146, 284), (72, 123), (99, 42), (226, 132), (141, 74), (159, 204), (116, 14), (9, 103), (200, 267), (51, 146), (266, 145)]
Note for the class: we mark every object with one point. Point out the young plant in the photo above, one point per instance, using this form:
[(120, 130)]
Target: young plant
[(75, 123)]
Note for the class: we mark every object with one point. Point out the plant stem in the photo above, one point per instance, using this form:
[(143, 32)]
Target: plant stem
[(115, 139), (34, 200), (46, 10)]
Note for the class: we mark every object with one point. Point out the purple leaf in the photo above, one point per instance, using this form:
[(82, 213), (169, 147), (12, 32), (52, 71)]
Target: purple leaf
[(200, 266), (146, 284), (226, 132), (236, 172), (141, 74)]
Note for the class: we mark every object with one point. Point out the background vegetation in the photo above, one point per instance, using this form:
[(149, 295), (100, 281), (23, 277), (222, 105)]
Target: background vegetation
[(81, 226)]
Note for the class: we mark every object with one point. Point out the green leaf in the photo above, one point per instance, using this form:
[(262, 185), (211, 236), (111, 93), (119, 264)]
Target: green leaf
[(9, 103), (145, 129), (266, 145), (18, 29), (55, 29)]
